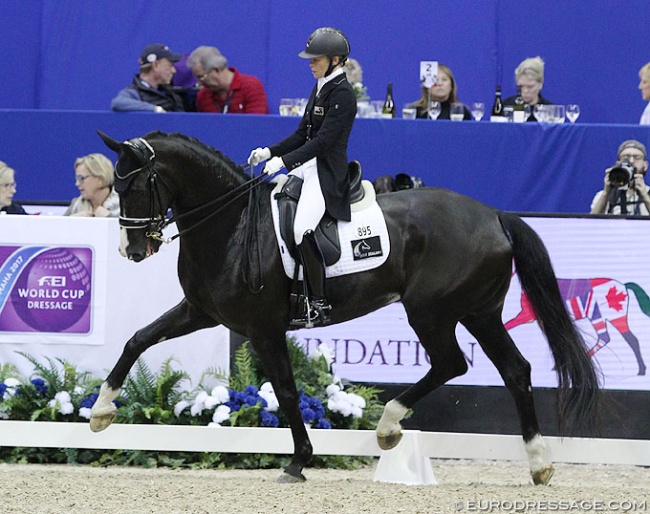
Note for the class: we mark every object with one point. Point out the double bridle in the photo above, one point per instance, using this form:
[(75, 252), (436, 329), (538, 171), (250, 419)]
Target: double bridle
[(157, 221)]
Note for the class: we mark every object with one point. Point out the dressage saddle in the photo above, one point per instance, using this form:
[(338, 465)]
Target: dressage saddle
[(326, 233)]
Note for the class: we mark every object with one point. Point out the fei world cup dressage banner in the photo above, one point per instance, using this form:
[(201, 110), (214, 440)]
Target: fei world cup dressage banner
[(603, 270), (53, 283)]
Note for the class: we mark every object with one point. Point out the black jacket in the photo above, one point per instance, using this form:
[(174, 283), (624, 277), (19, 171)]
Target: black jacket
[(163, 96), (13, 208), (323, 133)]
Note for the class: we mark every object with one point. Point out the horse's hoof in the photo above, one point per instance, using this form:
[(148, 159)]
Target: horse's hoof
[(543, 476), (99, 423), (388, 442), (287, 478)]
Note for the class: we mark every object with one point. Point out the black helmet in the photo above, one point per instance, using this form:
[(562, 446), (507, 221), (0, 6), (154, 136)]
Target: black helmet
[(326, 41)]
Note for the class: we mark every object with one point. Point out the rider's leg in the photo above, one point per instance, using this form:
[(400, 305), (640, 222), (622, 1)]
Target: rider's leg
[(310, 210)]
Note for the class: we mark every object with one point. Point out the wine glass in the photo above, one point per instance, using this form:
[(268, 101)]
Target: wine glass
[(572, 112), (478, 110), (434, 109)]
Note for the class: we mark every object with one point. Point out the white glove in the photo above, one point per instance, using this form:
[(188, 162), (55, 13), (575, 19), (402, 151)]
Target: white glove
[(273, 166), (259, 155)]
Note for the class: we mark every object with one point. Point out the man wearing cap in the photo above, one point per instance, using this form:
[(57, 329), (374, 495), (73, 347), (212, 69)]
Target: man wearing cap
[(150, 89), (629, 195), (225, 89)]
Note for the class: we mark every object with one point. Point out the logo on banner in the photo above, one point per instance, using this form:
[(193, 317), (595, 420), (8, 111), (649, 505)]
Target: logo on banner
[(45, 289), (366, 248), (598, 300)]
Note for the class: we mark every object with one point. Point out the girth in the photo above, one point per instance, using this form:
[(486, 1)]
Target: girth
[(327, 234)]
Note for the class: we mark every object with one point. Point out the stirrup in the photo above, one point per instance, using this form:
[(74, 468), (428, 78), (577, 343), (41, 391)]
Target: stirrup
[(313, 313)]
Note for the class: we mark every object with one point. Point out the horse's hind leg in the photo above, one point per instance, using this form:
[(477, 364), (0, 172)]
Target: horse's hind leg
[(176, 322), (515, 371), (447, 362)]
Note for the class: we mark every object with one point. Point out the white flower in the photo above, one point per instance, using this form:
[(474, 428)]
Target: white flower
[(357, 400), (4, 415), (199, 403), (178, 408), (345, 403), (221, 414), (62, 397), (11, 384), (66, 408), (84, 412), (272, 403), (322, 350), (332, 389), (221, 393), (211, 401)]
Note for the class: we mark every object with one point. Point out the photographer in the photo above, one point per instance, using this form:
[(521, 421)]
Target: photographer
[(625, 190)]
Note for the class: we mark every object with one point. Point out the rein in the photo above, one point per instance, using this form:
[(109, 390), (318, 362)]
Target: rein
[(157, 222)]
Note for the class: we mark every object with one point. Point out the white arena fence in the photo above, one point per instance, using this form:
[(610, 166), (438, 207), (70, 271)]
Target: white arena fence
[(439, 445)]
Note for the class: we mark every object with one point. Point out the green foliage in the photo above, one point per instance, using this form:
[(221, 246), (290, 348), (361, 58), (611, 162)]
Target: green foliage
[(150, 397)]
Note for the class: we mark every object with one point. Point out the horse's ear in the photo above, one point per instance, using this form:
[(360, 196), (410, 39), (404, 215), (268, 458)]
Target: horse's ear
[(110, 142)]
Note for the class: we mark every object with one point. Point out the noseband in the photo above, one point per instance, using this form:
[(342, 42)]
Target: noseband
[(156, 222)]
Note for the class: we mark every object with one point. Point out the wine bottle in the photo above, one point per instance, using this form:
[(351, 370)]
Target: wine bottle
[(519, 108), (497, 107), (388, 111)]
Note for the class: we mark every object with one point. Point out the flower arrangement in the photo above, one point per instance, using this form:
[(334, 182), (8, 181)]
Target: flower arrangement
[(360, 91), (59, 392)]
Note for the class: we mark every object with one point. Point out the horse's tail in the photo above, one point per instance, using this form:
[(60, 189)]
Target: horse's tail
[(578, 387), (641, 296)]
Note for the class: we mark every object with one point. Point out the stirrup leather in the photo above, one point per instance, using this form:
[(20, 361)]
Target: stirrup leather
[(312, 313)]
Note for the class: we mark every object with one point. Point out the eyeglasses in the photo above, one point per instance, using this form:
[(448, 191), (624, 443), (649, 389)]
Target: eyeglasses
[(205, 75), (637, 158), (9, 185), (79, 179)]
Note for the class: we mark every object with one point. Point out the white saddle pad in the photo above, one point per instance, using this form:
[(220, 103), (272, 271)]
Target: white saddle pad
[(364, 241)]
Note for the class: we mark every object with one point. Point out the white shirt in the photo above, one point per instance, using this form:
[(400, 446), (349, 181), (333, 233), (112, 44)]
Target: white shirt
[(336, 73), (632, 199), (645, 117)]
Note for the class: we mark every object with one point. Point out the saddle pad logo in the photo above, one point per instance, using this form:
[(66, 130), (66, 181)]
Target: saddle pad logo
[(366, 248)]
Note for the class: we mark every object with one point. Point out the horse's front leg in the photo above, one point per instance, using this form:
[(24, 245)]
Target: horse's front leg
[(178, 321), (274, 355)]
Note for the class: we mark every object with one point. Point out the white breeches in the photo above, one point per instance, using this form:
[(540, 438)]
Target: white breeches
[(311, 206)]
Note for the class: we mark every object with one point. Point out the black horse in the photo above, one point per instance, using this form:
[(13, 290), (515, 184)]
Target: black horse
[(450, 262)]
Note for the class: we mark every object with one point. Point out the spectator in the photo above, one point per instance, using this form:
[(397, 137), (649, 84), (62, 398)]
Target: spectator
[(7, 191), (354, 73), (93, 176), (317, 154), (530, 76), (225, 89), (631, 197), (151, 89), (444, 91), (644, 86)]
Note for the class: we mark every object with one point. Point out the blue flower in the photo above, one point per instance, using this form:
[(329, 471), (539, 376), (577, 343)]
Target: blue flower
[(89, 401), (323, 423), (269, 420), (3, 388), (251, 390), (308, 415), (40, 386)]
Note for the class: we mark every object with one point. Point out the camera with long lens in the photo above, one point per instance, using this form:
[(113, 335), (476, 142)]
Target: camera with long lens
[(623, 174)]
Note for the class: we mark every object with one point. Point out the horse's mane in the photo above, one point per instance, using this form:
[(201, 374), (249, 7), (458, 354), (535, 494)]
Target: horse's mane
[(186, 140)]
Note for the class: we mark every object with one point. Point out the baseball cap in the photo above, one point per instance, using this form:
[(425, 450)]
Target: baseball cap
[(156, 52), (632, 143)]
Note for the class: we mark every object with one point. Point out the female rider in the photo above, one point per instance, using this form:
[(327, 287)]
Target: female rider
[(317, 153)]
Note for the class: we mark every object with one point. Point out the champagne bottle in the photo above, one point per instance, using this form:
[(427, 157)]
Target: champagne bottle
[(519, 108), (497, 107), (388, 111)]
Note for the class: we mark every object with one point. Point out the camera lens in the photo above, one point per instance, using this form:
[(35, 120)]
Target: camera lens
[(622, 174)]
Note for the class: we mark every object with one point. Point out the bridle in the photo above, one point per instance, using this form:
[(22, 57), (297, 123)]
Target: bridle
[(157, 221)]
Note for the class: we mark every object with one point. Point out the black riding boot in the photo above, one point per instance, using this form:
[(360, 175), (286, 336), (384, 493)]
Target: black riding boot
[(315, 310)]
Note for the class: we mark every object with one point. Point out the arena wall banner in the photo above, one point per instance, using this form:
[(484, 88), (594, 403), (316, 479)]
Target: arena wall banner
[(52, 282), (604, 275), (120, 297)]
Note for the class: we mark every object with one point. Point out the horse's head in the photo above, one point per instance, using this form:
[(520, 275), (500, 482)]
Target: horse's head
[(144, 197)]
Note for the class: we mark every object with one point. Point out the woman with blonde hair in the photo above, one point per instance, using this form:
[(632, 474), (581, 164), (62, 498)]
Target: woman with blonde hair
[(530, 76), (444, 91), (94, 178), (7, 191)]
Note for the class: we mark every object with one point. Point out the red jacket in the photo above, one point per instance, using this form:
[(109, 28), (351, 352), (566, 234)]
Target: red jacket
[(246, 95)]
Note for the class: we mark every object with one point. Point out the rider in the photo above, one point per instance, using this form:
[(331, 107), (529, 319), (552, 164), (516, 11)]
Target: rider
[(317, 153)]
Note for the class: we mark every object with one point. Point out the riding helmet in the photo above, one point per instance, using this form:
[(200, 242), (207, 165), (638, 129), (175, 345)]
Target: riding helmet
[(326, 41)]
